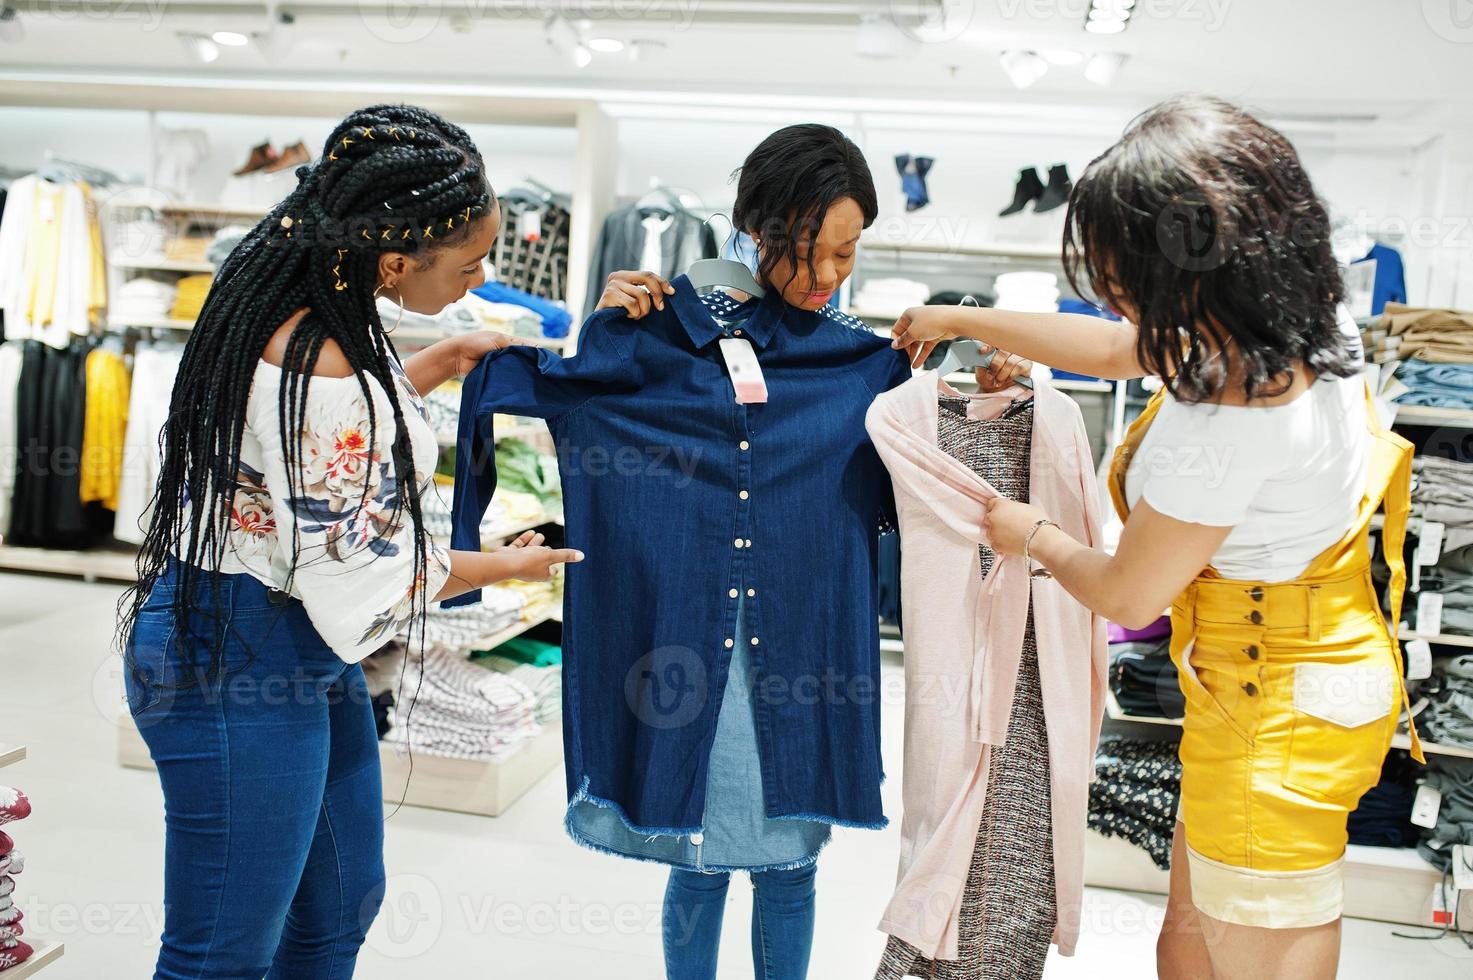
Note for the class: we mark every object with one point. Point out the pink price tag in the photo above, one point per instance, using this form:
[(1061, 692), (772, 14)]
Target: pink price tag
[(746, 373)]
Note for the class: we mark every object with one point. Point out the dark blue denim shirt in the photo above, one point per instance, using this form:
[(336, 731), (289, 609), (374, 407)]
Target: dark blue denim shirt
[(682, 499)]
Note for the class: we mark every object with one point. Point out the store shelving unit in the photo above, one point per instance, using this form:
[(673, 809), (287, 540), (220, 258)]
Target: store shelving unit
[(1382, 883), (45, 953)]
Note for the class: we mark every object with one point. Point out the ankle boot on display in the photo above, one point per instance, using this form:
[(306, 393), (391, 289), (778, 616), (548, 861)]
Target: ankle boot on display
[(1028, 189), (293, 156), (261, 157), (1057, 191)]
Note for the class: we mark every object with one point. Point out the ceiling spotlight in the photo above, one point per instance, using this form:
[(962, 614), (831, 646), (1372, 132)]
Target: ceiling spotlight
[(1062, 57), (201, 48), (606, 45), (1103, 67), (230, 39), (1023, 67), (1104, 26), (567, 40)]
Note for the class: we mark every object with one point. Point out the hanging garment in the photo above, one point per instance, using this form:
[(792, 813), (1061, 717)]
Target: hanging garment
[(683, 502), (621, 245), (148, 409), (1008, 904), (53, 278), (1292, 690), (104, 427), (46, 508), (1390, 285), (535, 264), (965, 636), (11, 357)]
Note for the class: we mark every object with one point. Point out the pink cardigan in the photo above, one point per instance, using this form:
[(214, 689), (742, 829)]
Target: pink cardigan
[(963, 642)]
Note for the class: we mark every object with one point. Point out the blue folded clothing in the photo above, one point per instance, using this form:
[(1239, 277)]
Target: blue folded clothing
[(1436, 385), (556, 321)]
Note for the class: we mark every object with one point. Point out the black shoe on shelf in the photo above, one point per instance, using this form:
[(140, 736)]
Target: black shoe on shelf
[(1057, 191), (1028, 189)]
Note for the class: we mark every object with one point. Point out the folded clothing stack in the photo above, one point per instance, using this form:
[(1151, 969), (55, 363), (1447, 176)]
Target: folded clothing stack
[(13, 950), (1448, 717), (536, 664), (507, 509), (508, 318), (143, 301), (1456, 589), (224, 243), (1436, 385), (1439, 336), (1027, 292), (1135, 792), (460, 709), (521, 468), (1383, 817), (188, 248), (1143, 678), (190, 298), (467, 627), (890, 297), (1454, 779), (556, 321)]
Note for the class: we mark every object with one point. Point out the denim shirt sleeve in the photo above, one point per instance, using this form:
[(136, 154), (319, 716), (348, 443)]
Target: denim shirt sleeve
[(534, 382)]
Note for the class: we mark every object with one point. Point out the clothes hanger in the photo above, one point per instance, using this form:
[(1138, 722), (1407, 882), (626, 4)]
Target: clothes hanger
[(968, 353), (716, 273)]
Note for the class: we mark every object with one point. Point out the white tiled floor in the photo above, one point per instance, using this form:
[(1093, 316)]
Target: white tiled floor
[(469, 897)]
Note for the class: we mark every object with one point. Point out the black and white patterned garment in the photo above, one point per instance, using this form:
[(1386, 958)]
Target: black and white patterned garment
[(1009, 904), (539, 266), (1135, 792)]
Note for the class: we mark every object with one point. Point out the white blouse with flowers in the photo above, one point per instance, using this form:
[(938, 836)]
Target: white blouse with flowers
[(355, 571)]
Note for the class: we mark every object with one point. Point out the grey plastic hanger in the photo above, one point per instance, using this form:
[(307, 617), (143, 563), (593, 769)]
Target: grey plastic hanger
[(715, 273), (968, 353)]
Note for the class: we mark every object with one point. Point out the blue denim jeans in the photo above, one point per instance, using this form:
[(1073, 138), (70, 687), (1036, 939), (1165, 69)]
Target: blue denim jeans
[(273, 850), (783, 907)]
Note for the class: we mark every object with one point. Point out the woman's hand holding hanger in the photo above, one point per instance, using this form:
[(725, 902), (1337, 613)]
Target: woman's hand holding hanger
[(921, 328)]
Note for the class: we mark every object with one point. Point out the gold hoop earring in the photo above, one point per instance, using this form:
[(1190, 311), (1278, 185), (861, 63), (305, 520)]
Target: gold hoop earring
[(398, 301)]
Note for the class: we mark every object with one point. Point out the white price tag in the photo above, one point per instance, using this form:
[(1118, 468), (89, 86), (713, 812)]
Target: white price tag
[(1426, 806), (1429, 614), (1419, 660), (529, 226), (1442, 912), (746, 373), (1429, 546), (1463, 867)]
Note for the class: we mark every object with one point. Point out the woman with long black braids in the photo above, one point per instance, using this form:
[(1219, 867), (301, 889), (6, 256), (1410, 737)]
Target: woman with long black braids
[(286, 544)]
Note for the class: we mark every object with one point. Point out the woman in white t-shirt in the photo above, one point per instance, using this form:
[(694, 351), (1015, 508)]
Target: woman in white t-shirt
[(1247, 488)]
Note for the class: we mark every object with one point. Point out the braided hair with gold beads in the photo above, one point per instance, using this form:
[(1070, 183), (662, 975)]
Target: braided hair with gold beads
[(390, 179)]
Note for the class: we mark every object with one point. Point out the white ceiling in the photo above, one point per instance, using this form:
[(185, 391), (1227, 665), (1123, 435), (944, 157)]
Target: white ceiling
[(1353, 58)]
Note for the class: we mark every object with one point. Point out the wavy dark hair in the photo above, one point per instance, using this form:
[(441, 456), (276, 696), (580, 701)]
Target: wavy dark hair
[(789, 182), (390, 179), (1203, 222)]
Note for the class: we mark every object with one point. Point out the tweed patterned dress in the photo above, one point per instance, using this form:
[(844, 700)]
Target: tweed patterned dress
[(1009, 904)]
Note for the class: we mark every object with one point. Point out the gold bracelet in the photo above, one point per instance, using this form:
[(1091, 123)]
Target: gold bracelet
[(1040, 571)]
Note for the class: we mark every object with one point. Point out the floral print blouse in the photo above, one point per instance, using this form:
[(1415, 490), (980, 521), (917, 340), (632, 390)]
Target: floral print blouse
[(355, 569)]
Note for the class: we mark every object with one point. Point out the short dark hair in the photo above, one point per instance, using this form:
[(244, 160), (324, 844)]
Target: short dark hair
[(1203, 221), (789, 182)]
